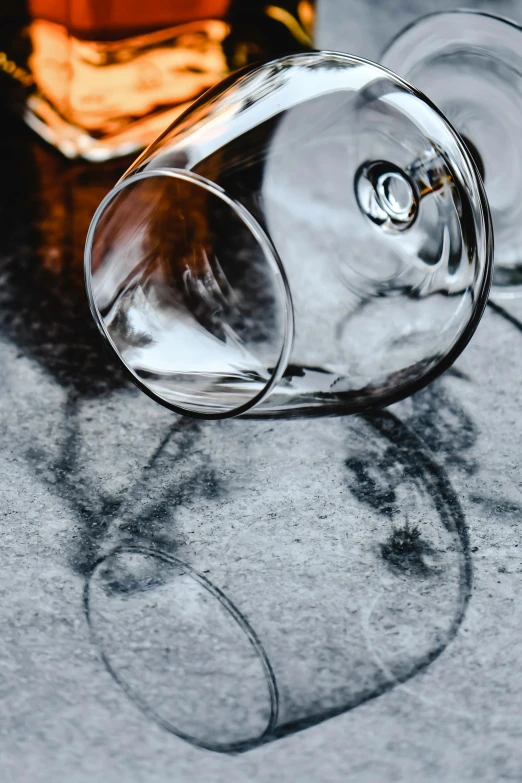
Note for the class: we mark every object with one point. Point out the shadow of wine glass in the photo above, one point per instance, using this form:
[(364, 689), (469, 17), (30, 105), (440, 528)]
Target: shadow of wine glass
[(303, 594)]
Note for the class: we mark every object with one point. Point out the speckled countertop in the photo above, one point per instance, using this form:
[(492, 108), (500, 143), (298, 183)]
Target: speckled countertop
[(346, 593)]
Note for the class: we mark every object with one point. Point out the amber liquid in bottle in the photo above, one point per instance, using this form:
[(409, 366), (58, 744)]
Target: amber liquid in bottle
[(102, 78)]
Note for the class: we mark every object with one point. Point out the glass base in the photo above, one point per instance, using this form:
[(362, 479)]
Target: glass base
[(470, 65)]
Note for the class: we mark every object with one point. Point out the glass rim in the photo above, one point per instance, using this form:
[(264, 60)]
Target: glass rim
[(270, 254), (452, 13)]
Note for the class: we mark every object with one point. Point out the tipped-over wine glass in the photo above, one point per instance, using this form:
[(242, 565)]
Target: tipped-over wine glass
[(310, 237), (470, 65)]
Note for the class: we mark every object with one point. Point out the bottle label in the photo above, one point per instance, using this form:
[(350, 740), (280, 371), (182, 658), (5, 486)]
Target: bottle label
[(100, 86)]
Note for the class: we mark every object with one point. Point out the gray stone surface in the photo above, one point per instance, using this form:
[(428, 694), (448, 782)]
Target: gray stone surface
[(353, 584)]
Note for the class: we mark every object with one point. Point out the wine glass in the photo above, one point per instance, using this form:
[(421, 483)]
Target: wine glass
[(470, 64), (310, 237)]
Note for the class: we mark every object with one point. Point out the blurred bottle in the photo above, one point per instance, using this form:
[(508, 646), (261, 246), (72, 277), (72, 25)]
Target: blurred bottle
[(102, 78)]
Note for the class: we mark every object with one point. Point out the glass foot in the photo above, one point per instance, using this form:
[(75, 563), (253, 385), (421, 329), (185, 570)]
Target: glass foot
[(470, 65)]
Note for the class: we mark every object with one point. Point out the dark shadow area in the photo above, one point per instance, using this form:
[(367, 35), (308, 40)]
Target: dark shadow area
[(46, 205)]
